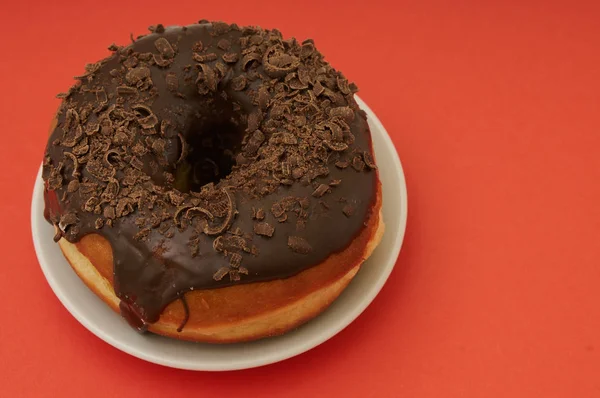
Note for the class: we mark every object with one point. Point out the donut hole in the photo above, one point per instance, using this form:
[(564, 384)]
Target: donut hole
[(210, 151)]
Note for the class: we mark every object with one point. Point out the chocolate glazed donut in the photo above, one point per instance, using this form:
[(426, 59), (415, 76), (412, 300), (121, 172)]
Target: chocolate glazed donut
[(210, 156)]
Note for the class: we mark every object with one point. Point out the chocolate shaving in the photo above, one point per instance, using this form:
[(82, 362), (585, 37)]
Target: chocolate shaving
[(304, 202), (101, 96), (81, 149), (238, 83), (320, 191), (318, 89), (234, 275), (158, 146), (109, 212), (342, 85), (342, 164), (220, 28), (73, 186), (166, 129), (345, 112), (161, 61), (73, 137), (277, 63), (230, 58), (136, 163), (250, 59), (90, 204), (264, 229), (142, 110), (202, 58), (277, 210), (198, 46), (178, 211), (107, 156), (337, 132), (221, 70), (336, 146), (368, 159), (304, 76), (124, 207), (184, 150), (254, 120), (137, 75), (299, 245), (148, 122), (349, 210), (208, 77), (224, 44), (164, 47), (88, 187), (73, 158), (218, 244), (130, 62), (126, 90), (358, 164), (72, 117), (221, 272), (172, 81), (298, 172), (307, 49), (200, 210), (235, 260), (263, 98), (208, 230)]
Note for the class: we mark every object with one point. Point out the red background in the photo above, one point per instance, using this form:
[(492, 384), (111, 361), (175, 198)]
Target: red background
[(494, 110)]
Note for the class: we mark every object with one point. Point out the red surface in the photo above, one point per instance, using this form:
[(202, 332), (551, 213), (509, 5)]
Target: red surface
[(495, 111)]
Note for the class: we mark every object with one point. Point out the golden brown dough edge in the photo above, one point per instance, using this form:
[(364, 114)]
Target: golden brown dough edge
[(243, 312)]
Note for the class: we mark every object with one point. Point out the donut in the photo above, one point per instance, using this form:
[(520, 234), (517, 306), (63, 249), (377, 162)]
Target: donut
[(213, 183)]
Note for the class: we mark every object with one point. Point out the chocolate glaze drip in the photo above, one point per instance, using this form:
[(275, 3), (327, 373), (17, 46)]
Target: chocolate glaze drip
[(187, 313), (145, 103)]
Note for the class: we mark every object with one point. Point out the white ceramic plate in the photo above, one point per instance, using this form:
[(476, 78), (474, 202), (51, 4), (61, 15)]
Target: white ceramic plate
[(107, 325)]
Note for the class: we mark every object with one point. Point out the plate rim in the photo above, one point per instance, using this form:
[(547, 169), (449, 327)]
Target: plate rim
[(280, 355)]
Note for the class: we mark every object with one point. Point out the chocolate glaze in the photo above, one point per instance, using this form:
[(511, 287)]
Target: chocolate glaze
[(150, 273)]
